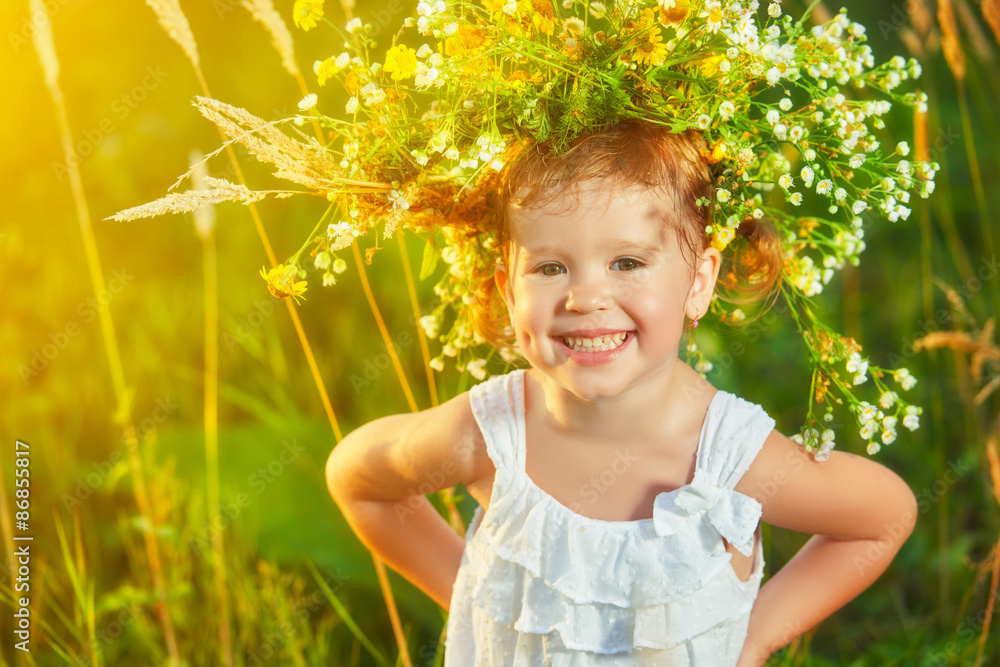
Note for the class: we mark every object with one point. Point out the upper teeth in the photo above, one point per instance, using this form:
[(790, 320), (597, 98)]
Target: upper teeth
[(599, 344)]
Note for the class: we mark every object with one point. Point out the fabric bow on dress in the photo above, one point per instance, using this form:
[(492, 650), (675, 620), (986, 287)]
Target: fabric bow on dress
[(732, 514)]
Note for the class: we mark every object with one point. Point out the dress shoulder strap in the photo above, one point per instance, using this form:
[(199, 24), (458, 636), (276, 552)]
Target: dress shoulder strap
[(498, 406), (733, 434)]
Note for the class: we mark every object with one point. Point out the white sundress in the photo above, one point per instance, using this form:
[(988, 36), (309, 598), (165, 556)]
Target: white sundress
[(542, 585)]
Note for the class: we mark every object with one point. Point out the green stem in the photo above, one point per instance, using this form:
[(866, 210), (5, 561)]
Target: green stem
[(295, 258)]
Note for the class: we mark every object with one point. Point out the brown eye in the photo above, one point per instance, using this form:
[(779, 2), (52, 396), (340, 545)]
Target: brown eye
[(627, 264), (550, 269)]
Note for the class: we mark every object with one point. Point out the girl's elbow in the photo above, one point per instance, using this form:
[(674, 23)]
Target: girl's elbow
[(332, 473), (351, 466), (911, 510), (338, 470), (902, 511)]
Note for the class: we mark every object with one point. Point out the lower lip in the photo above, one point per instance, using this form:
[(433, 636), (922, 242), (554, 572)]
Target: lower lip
[(585, 358)]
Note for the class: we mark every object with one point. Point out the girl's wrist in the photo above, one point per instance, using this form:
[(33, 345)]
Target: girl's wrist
[(753, 655)]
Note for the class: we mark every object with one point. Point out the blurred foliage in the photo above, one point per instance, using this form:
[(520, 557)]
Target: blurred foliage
[(128, 89)]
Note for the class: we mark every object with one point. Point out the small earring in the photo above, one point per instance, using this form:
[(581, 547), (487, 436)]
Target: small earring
[(694, 322)]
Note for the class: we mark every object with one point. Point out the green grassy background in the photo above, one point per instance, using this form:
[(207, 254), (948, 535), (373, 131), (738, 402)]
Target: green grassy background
[(128, 90)]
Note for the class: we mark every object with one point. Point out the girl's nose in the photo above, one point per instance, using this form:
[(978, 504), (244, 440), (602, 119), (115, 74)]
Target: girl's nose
[(586, 296)]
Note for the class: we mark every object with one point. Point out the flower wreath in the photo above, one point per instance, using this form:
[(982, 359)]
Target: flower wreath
[(429, 126)]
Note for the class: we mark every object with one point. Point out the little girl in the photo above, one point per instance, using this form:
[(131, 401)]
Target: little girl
[(620, 493)]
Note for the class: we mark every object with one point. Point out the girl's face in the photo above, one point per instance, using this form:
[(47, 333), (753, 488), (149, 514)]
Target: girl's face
[(597, 289)]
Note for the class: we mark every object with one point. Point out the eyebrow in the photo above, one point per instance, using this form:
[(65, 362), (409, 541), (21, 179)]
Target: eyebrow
[(620, 245), (542, 250)]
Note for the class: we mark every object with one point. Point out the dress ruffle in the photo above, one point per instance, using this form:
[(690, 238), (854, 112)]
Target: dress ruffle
[(601, 588), (576, 586)]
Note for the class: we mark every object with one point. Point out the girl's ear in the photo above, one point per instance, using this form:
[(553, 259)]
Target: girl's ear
[(502, 279), (705, 275)]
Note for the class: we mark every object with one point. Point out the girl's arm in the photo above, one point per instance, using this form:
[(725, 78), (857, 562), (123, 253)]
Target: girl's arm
[(860, 513), (380, 473)]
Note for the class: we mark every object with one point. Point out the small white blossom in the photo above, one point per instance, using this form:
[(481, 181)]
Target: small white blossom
[(903, 148), (339, 228), (807, 176), (425, 76), (477, 368), (855, 364), (874, 448), (430, 325), (868, 430), (373, 94), (905, 380), (308, 102)]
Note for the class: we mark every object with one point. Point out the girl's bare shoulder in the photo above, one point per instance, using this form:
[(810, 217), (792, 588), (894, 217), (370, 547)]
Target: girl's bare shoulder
[(452, 428)]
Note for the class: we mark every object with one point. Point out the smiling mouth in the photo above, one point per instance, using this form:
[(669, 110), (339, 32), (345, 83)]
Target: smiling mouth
[(598, 344)]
